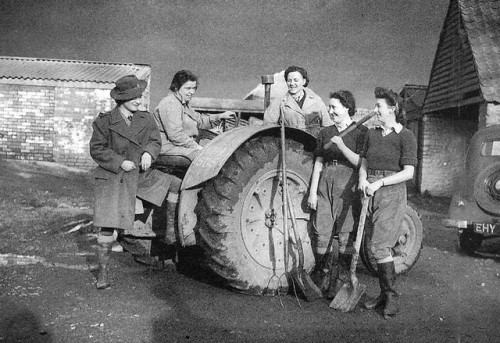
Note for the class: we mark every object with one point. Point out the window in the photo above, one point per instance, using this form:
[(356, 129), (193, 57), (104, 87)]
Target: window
[(491, 148)]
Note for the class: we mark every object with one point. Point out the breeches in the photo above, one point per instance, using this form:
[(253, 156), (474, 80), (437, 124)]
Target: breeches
[(338, 203), (386, 211)]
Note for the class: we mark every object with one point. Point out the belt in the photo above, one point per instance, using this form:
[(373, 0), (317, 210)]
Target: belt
[(337, 162), (378, 172)]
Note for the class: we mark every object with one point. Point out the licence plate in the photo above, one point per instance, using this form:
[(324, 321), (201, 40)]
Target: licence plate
[(486, 228)]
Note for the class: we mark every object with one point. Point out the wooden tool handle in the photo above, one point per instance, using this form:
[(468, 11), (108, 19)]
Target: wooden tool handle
[(350, 129)]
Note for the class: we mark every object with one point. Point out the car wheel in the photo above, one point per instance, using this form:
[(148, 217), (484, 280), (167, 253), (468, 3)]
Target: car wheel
[(487, 189)]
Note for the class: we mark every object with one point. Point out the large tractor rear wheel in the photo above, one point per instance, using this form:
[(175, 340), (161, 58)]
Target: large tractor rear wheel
[(240, 218)]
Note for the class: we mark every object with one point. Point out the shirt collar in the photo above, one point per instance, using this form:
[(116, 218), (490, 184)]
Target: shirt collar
[(396, 128), (344, 125), (184, 103)]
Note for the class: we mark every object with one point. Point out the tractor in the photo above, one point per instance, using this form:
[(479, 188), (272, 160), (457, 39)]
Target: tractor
[(231, 205)]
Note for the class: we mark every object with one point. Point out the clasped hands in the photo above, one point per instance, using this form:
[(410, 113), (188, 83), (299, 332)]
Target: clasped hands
[(146, 161)]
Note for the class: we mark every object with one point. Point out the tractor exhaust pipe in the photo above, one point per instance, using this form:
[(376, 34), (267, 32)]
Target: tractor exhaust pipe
[(267, 81)]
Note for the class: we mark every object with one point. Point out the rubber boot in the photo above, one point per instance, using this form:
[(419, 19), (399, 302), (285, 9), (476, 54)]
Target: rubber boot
[(343, 275), (103, 252), (391, 306)]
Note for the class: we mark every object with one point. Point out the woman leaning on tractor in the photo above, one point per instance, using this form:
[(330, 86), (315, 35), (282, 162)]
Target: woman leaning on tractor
[(388, 160), (300, 106), (124, 143), (333, 191)]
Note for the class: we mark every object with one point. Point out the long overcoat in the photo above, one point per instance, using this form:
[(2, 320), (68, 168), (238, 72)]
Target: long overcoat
[(112, 142)]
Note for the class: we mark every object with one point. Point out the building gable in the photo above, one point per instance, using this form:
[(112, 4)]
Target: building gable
[(466, 67)]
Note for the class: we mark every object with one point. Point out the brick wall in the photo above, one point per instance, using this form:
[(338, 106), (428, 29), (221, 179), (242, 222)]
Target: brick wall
[(444, 140), (26, 118), (50, 123), (74, 113)]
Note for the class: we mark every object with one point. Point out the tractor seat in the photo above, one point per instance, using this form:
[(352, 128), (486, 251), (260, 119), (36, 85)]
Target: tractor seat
[(173, 165)]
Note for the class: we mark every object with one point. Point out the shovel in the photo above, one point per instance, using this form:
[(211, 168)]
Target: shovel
[(350, 293), (298, 274)]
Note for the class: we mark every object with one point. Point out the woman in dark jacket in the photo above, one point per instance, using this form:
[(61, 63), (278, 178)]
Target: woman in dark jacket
[(124, 143)]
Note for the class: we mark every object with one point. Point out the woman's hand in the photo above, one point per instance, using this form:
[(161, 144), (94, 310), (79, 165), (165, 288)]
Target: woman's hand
[(146, 160), (312, 201), (338, 141), (227, 115), (362, 186), (127, 165), (369, 189)]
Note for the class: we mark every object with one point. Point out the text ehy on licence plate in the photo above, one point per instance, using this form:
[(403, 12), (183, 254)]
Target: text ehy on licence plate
[(486, 228)]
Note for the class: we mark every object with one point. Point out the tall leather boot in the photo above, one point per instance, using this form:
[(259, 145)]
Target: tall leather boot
[(343, 275), (391, 306), (103, 252), (171, 223), (320, 270), (388, 298), (168, 257), (380, 300)]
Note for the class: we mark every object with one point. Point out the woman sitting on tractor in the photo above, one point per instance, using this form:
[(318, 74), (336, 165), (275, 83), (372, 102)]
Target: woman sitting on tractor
[(179, 124)]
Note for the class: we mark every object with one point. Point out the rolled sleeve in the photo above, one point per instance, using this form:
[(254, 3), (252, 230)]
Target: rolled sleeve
[(409, 149)]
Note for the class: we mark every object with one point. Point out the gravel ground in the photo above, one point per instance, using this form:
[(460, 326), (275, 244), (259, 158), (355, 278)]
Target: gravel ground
[(50, 296)]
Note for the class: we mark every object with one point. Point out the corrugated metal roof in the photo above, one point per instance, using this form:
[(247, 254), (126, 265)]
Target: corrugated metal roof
[(24, 68), (466, 66)]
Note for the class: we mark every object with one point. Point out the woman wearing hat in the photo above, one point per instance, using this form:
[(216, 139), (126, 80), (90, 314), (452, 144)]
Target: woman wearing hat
[(300, 106), (124, 143), (179, 124)]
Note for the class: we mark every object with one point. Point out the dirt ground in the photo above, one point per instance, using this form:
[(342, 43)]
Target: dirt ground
[(50, 296)]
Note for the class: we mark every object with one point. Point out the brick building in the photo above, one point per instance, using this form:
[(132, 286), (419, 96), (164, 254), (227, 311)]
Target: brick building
[(47, 106), (463, 94)]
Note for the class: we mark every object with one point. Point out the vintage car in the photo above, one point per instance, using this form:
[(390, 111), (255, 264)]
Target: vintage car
[(475, 206)]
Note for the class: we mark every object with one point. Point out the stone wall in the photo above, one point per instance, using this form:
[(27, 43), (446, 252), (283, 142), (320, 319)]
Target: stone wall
[(444, 140)]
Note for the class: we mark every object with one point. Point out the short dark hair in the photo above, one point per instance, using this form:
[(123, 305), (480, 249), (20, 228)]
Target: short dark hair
[(393, 99), (180, 78), (301, 70), (346, 99)]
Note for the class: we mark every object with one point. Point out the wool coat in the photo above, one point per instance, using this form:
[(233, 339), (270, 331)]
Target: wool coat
[(112, 142), (312, 116)]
